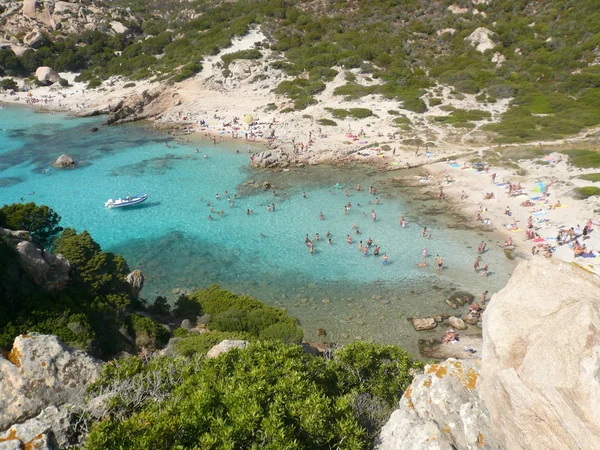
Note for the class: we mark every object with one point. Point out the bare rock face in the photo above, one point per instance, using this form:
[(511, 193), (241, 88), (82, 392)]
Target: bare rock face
[(118, 27), (33, 39), (136, 282), (45, 269), (480, 39), (64, 160), (457, 323), (224, 347), (46, 75), (42, 371), (440, 410), (29, 8), (540, 375)]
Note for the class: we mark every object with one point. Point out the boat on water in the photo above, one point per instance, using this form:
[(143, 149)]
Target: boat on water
[(127, 201)]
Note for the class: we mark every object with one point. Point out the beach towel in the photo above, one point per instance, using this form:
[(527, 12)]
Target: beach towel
[(562, 206), (454, 165), (500, 184), (538, 213), (591, 255), (535, 198), (539, 240), (518, 229), (550, 238)]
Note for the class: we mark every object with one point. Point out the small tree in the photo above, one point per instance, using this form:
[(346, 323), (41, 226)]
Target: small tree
[(40, 221)]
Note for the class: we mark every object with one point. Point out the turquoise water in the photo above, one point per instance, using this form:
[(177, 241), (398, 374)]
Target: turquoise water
[(171, 239)]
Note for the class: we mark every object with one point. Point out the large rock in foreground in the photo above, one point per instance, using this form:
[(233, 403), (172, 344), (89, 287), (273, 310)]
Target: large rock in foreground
[(440, 410), (540, 375), (42, 371), (64, 160)]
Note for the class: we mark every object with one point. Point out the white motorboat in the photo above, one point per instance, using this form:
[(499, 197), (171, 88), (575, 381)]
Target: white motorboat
[(127, 201)]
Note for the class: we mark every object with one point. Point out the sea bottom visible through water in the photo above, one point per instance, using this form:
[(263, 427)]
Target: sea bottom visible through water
[(263, 254)]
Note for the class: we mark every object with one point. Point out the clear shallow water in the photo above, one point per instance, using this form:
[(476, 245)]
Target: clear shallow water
[(172, 241)]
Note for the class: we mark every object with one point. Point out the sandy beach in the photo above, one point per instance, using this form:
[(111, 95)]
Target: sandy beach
[(243, 107)]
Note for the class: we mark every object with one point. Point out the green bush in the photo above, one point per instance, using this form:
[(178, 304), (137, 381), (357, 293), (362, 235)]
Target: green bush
[(9, 84), (327, 122), (242, 54), (40, 221), (591, 177), (147, 333), (587, 191), (63, 82), (283, 332), (415, 104), (586, 159), (360, 113)]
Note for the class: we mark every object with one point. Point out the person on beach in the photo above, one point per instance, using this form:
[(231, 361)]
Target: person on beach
[(440, 262), (376, 250), (508, 243), (402, 222), (482, 247), (476, 264)]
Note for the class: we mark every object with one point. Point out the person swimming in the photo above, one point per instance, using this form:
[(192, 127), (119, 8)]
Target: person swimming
[(349, 239), (317, 237), (329, 241), (321, 216), (328, 234), (210, 217)]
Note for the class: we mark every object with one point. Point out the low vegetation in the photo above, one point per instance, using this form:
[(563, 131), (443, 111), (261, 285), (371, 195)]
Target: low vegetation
[(587, 191), (595, 177), (548, 72), (269, 394)]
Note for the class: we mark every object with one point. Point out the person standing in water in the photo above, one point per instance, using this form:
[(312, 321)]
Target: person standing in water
[(476, 265), (424, 232), (384, 258), (373, 215), (402, 222), (440, 262)]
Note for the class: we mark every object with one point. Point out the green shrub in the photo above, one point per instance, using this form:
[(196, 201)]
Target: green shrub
[(63, 82), (327, 122), (187, 307), (160, 307), (147, 333), (434, 101), (41, 222), (242, 54), (415, 104), (94, 83), (586, 159), (129, 85), (590, 177), (360, 113), (9, 84), (283, 332), (587, 191)]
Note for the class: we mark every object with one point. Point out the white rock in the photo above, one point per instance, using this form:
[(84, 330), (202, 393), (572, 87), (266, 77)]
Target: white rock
[(42, 371), (118, 27), (498, 58), (480, 39), (64, 160), (33, 39), (540, 374), (47, 75), (224, 347), (29, 7), (455, 9), (440, 410)]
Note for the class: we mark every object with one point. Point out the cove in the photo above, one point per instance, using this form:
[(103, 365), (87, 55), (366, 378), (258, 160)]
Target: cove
[(263, 254)]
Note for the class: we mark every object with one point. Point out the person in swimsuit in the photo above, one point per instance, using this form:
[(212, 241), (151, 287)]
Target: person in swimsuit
[(440, 262), (384, 259), (402, 222)]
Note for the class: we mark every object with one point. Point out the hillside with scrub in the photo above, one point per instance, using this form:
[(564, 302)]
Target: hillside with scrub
[(501, 71)]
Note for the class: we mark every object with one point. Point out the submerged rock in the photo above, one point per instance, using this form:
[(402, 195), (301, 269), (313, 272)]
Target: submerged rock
[(427, 323)]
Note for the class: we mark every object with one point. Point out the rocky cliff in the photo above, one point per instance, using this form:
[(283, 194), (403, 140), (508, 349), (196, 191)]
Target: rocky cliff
[(537, 384), (39, 382), (43, 268)]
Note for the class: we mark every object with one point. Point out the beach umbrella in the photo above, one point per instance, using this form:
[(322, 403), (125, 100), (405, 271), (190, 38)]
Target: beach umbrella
[(539, 187), (248, 119)]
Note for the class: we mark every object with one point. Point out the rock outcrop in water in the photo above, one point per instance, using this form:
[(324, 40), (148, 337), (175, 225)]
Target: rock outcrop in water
[(538, 383), (64, 160), (40, 379)]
